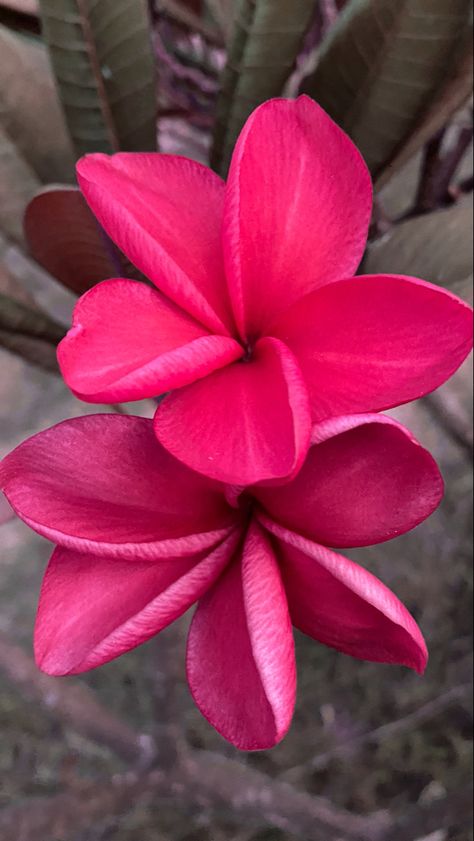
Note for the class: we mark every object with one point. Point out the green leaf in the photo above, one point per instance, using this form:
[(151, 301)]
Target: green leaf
[(436, 247), (102, 57), (382, 67), (266, 40)]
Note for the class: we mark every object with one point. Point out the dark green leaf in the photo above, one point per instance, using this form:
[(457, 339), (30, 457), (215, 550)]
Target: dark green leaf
[(436, 247), (266, 40), (102, 57), (383, 66)]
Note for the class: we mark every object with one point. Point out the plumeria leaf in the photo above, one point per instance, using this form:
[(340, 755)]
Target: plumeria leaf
[(101, 55), (437, 246), (30, 110), (266, 40), (449, 99), (382, 67), (18, 183), (65, 238)]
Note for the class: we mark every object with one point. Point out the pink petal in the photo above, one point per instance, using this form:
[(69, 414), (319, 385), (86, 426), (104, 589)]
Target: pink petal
[(128, 342), (240, 658), (93, 609), (102, 484), (372, 342), (297, 210), (165, 213), (364, 485), (242, 424), (340, 604)]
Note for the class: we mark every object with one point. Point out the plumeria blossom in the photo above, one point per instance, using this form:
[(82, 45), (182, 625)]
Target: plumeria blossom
[(140, 538), (259, 328)]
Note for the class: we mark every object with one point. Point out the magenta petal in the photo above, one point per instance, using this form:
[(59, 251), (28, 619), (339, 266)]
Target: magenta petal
[(240, 658), (102, 484), (368, 483), (340, 604), (128, 342), (297, 210), (375, 341), (93, 609), (243, 424), (165, 213)]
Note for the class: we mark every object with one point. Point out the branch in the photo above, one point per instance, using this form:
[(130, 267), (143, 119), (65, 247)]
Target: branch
[(388, 731), (199, 779), (164, 679), (73, 704), (438, 170), (209, 782), (453, 812)]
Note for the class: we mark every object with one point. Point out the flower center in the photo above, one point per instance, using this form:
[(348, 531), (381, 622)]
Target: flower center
[(238, 498), (248, 352)]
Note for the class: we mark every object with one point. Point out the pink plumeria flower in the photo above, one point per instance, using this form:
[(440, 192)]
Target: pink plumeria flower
[(140, 538), (259, 327)]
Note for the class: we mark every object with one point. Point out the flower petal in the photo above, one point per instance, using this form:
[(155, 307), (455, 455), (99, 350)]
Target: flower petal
[(102, 484), (128, 342), (365, 485), (240, 658), (245, 423), (340, 604), (297, 210), (375, 341), (93, 609), (165, 213)]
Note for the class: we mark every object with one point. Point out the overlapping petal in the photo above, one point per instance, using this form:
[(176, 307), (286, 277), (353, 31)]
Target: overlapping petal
[(240, 658), (243, 424), (93, 609), (297, 210), (359, 487), (344, 606), (103, 484), (371, 342), (128, 342), (165, 213)]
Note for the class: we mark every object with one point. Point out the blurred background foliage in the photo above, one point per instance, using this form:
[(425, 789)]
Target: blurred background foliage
[(182, 76)]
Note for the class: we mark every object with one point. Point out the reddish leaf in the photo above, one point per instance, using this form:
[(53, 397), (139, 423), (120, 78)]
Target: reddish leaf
[(64, 237)]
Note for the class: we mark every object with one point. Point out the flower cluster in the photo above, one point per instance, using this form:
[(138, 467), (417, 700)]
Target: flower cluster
[(268, 453)]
